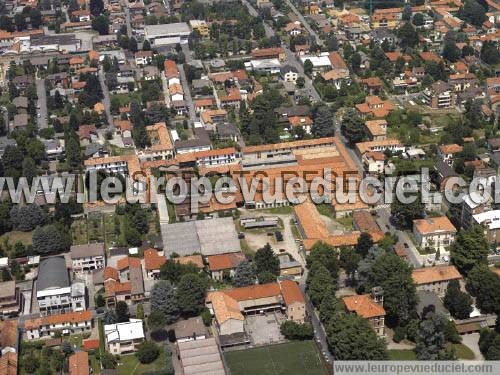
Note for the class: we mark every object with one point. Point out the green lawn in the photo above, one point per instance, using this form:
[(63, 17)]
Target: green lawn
[(129, 365), (293, 358), (17, 236), (463, 352), (285, 210), (326, 209), (402, 355)]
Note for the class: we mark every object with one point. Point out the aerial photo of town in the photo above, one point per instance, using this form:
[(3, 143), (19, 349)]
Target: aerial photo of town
[(249, 187)]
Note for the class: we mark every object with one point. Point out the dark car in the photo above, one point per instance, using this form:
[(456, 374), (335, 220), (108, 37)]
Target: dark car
[(278, 235)]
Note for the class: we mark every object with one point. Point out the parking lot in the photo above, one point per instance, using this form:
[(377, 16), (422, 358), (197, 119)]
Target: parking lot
[(265, 328)]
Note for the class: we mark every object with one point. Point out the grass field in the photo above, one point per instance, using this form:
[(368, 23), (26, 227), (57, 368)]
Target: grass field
[(293, 358), (402, 355)]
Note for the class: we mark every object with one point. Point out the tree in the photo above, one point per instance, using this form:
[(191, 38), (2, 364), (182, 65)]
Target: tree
[(147, 352), (484, 284), (355, 62), (35, 18), (156, 320), (99, 300), (317, 281), (490, 53), (66, 348), (164, 301), (353, 127), (349, 260), (308, 67), (50, 239), (450, 51), (96, 7), (20, 21), (473, 13), (301, 81), (365, 242), (470, 249), (27, 218), (122, 313), (146, 46), (191, 291), (172, 270), (403, 214), (108, 361), (418, 19), (323, 122), (431, 339), (325, 255), (489, 344), (350, 337), (244, 274), (12, 158), (266, 260), (110, 317), (330, 306), (394, 276), (31, 363), (458, 303), (132, 45), (407, 12), (296, 331), (101, 24), (408, 35)]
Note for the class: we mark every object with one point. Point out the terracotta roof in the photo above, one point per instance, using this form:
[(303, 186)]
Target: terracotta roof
[(128, 262), (363, 147), (254, 292), (267, 52), (310, 220), (291, 292), (171, 69), (372, 82), (375, 155), (91, 344), (333, 75), (123, 124), (160, 137), (300, 121), (364, 221), (71, 317), (79, 363), (429, 56), (450, 149), (205, 102), (175, 88), (8, 364), (224, 307), (224, 261), (110, 273), (364, 306), (434, 225), (84, 131), (94, 55), (376, 127), (153, 261), (232, 95), (337, 61), (435, 274), (77, 60), (8, 334)]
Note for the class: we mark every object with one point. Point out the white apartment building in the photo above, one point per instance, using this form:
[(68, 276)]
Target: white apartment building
[(53, 289), (435, 279), (123, 338), (69, 323), (436, 233), (87, 258)]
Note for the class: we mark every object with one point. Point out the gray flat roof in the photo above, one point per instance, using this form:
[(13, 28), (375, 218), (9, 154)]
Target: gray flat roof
[(166, 30), (89, 250), (52, 273), (208, 237), (201, 357)]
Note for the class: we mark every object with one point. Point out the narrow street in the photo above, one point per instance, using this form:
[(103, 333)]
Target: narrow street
[(187, 93), (304, 22), (292, 60), (166, 93), (106, 101), (42, 103), (129, 24)]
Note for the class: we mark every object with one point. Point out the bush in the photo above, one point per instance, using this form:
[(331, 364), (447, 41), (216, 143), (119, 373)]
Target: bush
[(399, 334), (206, 316), (147, 352), (296, 331)]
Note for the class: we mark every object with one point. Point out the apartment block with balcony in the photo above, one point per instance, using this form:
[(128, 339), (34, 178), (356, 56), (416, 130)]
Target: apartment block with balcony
[(11, 299), (87, 258), (66, 324), (124, 338)]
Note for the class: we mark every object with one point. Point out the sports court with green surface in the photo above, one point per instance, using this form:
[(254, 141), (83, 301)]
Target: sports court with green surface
[(293, 358)]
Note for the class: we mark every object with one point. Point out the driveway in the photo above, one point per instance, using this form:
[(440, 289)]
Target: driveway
[(106, 101), (304, 22), (187, 93), (472, 341)]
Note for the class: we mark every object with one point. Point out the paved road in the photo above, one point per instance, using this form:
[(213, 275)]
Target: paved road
[(106, 100), (337, 121), (166, 93), (187, 52), (42, 103), (187, 94), (291, 58), (304, 22), (411, 251), (129, 24)]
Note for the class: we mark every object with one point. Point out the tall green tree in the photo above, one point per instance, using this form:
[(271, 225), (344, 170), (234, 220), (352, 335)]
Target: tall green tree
[(470, 249), (323, 122), (244, 274), (458, 303), (164, 301), (122, 313), (394, 276), (96, 7), (350, 337), (265, 260), (431, 343), (408, 35), (318, 280), (484, 284), (353, 127), (473, 13), (191, 291), (403, 214), (365, 242)]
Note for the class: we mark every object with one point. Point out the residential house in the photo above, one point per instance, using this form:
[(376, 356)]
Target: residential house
[(269, 53), (375, 107), (223, 266), (201, 26), (289, 266), (87, 258), (447, 153), (289, 73), (9, 338), (374, 162), (369, 307), (143, 58), (437, 233), (304, 122), (435, 279), (50, 325), (11, 299), (78, 363), (125, 282), (490, 220), (124, 338), (152, 263), (439, 95), (377, 129)]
